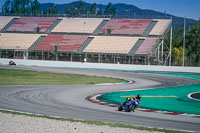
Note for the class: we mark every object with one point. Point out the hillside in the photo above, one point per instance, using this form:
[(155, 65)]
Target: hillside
[(129, 11)]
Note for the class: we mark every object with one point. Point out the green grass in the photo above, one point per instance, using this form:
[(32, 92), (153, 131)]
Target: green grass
[(98, 123), (25, 77)]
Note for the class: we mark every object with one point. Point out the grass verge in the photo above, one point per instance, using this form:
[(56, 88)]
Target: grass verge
[(98, 123), (26, 77)]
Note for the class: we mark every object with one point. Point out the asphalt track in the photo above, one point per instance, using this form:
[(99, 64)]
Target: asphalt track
[(69, 101)]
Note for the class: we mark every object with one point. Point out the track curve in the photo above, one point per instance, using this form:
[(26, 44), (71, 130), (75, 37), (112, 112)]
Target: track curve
[(69, 100)]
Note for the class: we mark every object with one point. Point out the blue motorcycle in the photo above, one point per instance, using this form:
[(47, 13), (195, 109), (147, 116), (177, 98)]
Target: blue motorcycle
[(128, 106)]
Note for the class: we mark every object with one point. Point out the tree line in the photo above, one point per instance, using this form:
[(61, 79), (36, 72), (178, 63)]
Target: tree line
[(21, 7), (74, 9), (192, 45)]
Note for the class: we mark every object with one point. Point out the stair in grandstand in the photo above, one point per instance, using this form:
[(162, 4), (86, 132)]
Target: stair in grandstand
[(85, 44), (53, 26), (32, 47), (149, 28), (136, 46), (9, 24), (101, 25)]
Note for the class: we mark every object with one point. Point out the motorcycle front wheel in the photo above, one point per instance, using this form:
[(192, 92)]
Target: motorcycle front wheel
[(120, 108)]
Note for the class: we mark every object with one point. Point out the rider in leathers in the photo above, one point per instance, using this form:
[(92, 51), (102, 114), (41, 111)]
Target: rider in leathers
[(138, 97)]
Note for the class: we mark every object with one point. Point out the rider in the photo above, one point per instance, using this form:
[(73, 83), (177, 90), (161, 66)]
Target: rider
[(138, 97)]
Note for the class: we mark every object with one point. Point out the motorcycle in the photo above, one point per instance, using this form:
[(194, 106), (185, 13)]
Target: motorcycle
[(128, 106)]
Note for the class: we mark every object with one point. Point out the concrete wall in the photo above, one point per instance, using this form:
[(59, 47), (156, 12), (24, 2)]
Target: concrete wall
[(99, 65)]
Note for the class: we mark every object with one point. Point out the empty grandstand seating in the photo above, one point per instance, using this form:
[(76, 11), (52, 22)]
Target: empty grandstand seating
[(147, 46), (126, 26), (30, 24), (78, 25), (111, 44), (161, 26), (4, 20), (17, 41), (128, 37), (67, 43)]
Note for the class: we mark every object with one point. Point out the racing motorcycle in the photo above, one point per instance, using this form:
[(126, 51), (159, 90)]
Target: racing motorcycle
[(128, 106)]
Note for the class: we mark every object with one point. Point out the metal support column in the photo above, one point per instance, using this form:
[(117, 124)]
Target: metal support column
[(158, 53), (99, 58), (162, 43), (184, 44), (117, 59), (199, 61), (56, 56), (85, 60), (26, 54), (71, 57), (14, 55), (42, 55), (170, 52), (132, 59)]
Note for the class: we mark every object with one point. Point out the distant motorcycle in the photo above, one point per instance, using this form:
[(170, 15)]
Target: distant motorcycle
[(128, 106), (12, 63)]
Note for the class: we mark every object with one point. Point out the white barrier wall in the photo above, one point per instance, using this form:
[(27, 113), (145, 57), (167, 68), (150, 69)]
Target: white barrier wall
[(44, 63)]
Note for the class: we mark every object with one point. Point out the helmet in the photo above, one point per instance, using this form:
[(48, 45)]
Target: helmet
[(138, 97)]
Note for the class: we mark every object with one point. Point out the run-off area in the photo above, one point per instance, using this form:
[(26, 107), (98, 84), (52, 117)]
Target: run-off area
[(181, 101)]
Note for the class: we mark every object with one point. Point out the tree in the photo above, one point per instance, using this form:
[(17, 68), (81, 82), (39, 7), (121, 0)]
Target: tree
[(52, 10), (6, 8), (35, 7), (21, 6), (177, 55), (71, 10), (113, 12), (110, 10), (76, 9), (25, 6), (81, 8), (93, 9), (99, 12), (193, 43), (16, 8)]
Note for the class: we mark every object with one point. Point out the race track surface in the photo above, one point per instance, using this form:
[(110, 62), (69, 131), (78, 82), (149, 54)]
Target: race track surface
[(69, 101)]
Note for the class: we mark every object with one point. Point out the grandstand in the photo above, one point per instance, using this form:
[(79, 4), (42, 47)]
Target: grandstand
[(111, 44), (78, 25), (161, 27), (11, 41), (31, 24), (4, 21), (146, 46), (64, 43), (109, 40), (126, 26)]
